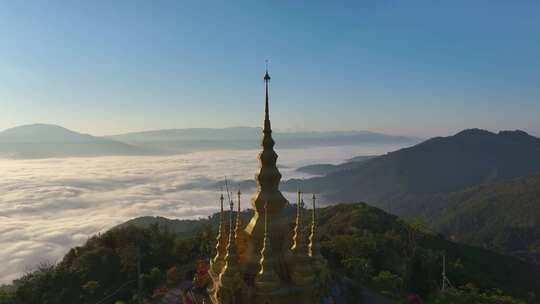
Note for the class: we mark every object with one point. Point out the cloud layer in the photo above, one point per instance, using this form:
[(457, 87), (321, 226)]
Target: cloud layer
[(48, 206)]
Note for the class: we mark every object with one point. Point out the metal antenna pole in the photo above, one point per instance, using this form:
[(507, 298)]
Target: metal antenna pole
[(445, 281)]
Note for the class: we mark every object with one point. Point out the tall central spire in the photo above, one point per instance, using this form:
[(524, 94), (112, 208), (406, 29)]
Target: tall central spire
[(259, 265), (267, 178)]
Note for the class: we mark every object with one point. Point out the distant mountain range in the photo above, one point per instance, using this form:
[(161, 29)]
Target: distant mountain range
[(42, 140), (187, 140), (476, 186)]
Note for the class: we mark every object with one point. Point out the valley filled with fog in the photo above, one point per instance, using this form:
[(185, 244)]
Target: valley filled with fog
[(50, 205)]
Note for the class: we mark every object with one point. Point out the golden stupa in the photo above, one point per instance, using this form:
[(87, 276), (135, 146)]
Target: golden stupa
[(265, 262)]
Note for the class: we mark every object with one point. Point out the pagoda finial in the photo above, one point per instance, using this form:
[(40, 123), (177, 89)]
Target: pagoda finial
[(267, 78), (218, 261), (267, 279)]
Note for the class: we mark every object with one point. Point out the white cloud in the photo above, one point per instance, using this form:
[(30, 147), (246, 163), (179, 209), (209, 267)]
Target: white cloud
[(48, 206)]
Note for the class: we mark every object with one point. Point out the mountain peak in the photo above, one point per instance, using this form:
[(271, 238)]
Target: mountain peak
[(35, 127), (474, 132), (514, 133), (504, 133), (479, 136), (48, 140), (42, 133)]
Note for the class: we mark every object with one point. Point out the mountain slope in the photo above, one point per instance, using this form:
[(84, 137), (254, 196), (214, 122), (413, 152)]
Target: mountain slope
[(358, 241), (502, 216), (359, 232), (323, 169), (441, 164), (476, 187), (43, 140)]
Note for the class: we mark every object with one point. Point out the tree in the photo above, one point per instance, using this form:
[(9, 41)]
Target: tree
[(389, 283)]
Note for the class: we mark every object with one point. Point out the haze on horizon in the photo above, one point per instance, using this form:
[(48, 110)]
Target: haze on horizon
[(417, 68)]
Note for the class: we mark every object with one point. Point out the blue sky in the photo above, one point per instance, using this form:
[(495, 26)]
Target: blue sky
[(404, 67)]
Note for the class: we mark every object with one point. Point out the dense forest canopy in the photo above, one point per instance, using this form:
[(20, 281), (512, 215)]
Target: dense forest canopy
[(361, 243)]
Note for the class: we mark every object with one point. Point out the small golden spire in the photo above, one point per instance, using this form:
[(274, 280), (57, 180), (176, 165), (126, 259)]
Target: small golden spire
[(218, 261), (303, 273), (231, 272), (299, 244), (314, 250), (267, 279), (239, 234)]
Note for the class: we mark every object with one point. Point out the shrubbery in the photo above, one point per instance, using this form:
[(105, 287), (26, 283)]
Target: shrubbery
[(468, 295)]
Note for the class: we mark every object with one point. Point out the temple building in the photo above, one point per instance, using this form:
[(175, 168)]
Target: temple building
[(265, 262)]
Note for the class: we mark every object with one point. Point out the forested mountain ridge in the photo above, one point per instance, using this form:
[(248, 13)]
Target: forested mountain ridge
[(477, 187), (360, 242), (502, 216), (441, 164)]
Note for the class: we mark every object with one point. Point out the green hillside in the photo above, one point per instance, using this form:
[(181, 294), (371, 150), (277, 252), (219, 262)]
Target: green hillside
[(359, 232), (503, 216), (362, 243), (474, 187), (441, 164)]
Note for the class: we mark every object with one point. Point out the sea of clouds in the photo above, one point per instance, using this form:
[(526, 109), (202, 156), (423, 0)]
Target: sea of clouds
[(50, 205)]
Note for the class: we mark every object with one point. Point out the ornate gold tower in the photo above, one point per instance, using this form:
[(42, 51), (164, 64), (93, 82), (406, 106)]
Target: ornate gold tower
[(268, 178), (259, 265), (217, 263)]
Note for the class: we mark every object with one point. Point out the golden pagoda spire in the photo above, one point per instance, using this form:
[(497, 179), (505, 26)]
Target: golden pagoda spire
[(239, 234), (267, 279), (314, 249), (267, 179), (230, 276), (218, 261), (299, 244), (303, 273), (238, 217), (268, 269)]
